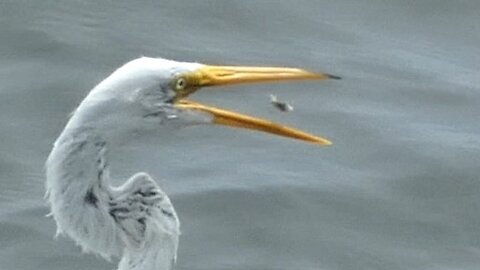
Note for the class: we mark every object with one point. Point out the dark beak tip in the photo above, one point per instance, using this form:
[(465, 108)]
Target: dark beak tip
[(334, 77)]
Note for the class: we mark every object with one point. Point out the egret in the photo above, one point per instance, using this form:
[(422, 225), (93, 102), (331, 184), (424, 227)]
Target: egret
[(136, 221)]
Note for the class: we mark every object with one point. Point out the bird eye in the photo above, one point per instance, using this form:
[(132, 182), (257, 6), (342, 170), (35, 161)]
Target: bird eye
[(180, 84)]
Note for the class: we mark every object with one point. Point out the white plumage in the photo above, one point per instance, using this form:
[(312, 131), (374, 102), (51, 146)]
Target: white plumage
[(136, 221)]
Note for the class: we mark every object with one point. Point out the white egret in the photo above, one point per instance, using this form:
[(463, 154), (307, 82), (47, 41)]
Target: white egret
[(136, 221)]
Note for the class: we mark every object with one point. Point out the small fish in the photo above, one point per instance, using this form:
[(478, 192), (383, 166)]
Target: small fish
[(281, 106)]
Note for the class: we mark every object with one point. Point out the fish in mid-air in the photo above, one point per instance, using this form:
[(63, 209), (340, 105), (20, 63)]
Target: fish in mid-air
[(280, 105)]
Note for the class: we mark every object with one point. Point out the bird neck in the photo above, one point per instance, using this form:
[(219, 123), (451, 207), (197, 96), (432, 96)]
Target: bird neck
[(78, 191), (78, 160), (80, 196)]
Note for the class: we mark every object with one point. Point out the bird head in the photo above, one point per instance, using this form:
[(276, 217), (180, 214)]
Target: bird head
[(148, 92)]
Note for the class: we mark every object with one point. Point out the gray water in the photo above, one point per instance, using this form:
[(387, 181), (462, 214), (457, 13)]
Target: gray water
[(399, 189)]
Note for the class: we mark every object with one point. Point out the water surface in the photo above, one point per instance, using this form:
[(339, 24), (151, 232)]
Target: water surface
[(399, 189)]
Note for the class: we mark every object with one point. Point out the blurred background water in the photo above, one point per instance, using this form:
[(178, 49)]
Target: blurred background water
[(399, 189)]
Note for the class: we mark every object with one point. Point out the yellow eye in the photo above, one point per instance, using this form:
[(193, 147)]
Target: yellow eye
[(180, 84)]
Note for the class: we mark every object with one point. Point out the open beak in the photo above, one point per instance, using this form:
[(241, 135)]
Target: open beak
[(228, 75)]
